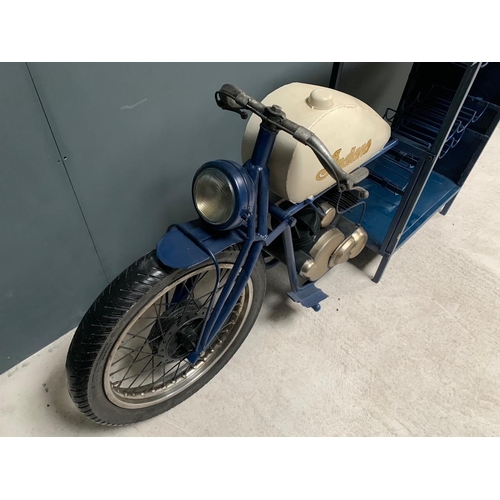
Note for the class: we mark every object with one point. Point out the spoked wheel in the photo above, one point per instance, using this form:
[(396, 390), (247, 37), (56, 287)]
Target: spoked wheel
[(128, 359), (148, 363)]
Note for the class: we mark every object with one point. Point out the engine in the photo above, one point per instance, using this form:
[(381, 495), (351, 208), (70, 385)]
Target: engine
[(322, 237)]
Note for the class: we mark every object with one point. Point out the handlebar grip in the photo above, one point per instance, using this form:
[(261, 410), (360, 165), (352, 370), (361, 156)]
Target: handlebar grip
[(226, 97), (232, 98), (360, 174), (230, 89)]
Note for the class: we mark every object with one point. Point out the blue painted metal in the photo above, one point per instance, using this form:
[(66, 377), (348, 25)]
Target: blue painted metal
[(404, 193), (290, 259), (178, 251), (263, 147), (221, 310), (380, 210), (383, 204), (422, 119), (441, 133), (279, 213), (277, 231), (256, 226), (309, 296), (393, 142), (178, 248), (257, 168), (393, 170), (209, 254), (263, 203), (239, 286), (437, 192), (257, 235), (448, 205)]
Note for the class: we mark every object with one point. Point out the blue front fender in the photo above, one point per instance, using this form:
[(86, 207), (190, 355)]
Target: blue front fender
[(176, 250)]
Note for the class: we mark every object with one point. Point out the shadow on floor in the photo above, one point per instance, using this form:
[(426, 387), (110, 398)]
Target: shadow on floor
[(365, 260), (276, 297)]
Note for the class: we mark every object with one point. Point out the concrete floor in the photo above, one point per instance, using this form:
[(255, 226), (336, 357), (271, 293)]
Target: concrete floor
[(416, 355)]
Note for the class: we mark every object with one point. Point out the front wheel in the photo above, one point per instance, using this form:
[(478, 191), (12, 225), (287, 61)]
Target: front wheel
[(128, 359)]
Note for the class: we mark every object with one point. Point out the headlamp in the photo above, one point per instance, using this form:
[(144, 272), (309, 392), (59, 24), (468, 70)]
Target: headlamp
[(223, 193)]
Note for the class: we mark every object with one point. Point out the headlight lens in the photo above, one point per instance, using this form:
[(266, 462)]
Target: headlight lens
[(223, 194), (214, 196)]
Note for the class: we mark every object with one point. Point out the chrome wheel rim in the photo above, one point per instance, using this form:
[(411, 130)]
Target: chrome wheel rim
[(147, 364)]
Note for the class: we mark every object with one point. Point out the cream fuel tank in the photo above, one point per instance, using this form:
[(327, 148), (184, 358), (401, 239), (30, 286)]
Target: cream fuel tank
[(350, 129), (353, 133)]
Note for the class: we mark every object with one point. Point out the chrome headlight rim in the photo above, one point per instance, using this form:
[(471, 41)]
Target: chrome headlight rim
[(241, 187)]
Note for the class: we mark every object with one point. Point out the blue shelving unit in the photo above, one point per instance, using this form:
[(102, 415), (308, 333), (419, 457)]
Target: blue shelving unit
[(445, 117), (437, 192)]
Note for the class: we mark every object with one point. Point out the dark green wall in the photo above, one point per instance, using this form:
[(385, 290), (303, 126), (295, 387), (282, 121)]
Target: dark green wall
[(132, 136), (49, 269), (379, 84), (96, 160)]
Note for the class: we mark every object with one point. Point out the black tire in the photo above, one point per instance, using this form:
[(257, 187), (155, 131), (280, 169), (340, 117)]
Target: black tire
[(102, 325)]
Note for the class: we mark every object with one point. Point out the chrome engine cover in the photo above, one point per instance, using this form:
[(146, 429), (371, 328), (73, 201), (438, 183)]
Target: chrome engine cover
[(351, 247), (334, 247), (320, 254)]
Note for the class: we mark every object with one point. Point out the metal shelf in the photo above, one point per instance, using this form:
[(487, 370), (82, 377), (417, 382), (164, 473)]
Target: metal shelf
[(437, 124), (380, 208), (383, 204), (422, 119), (437, 192), (393, 170)]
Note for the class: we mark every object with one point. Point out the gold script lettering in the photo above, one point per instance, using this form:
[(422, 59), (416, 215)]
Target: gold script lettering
[(353, 155)]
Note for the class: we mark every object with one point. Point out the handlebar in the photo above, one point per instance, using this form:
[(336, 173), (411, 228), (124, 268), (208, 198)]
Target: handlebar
[(232, 98)]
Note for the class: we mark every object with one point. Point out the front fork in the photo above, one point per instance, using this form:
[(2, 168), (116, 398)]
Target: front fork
[(231, 292), (256, 236)]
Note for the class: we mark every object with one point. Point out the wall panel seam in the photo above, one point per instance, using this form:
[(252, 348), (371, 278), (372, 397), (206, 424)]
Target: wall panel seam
[(66, 170)]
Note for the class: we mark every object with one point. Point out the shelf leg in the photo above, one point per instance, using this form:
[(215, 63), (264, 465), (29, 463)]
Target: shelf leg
[(449, 203), (381, 268)]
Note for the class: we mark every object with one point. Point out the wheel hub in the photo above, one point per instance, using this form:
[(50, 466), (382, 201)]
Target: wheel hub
[(175, 334)]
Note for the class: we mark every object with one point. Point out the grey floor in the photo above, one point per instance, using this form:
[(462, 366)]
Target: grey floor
[(416, 355)]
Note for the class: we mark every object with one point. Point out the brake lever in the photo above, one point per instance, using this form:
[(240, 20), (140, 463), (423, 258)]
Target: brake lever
[(243, 114), (359, 192), (226, 106)]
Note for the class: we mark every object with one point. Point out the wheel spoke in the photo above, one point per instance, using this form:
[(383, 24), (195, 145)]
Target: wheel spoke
[(154, 368), (148, 353), (190, 293), (140, 331), (120, 369), (178, 365), (142, 371), (128, 354), (134, 375), (219, 289), (137, 336), (133, 362)]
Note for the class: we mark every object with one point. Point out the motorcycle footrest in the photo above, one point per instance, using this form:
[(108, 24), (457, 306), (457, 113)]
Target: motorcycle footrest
[(309, 296)]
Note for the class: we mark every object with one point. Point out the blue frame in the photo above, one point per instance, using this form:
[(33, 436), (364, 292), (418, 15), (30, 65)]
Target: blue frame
[(439, 128), (174, 249)]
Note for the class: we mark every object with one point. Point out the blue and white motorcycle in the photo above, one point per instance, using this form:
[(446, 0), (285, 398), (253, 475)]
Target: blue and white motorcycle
[(167, 324)]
